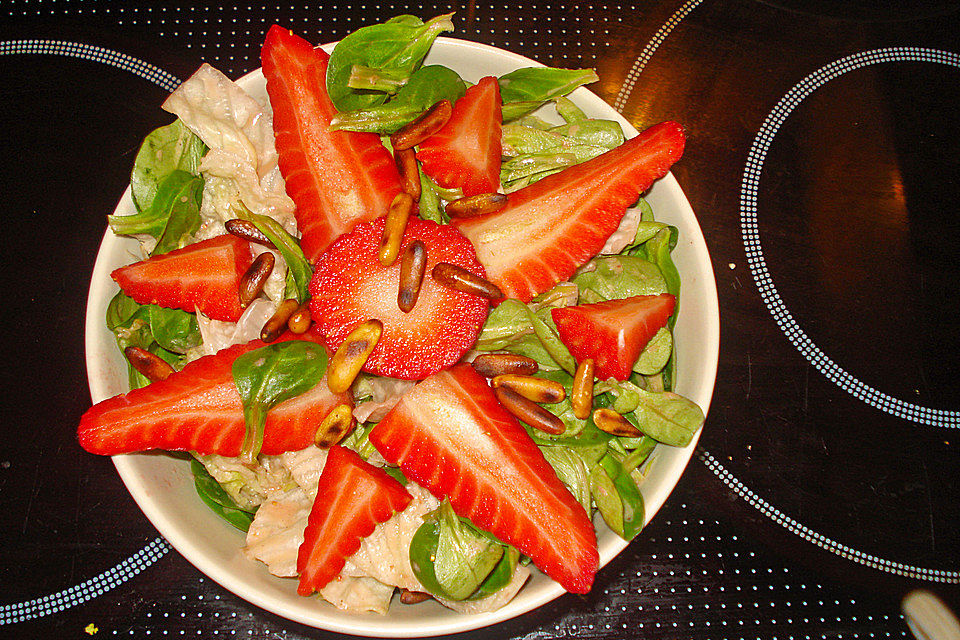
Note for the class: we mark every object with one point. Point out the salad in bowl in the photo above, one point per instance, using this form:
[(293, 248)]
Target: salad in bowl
[(404, 317)]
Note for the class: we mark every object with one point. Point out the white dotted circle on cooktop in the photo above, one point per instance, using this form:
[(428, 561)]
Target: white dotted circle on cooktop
[(96, 54), (785, 521), (751, 234), (115, 576)]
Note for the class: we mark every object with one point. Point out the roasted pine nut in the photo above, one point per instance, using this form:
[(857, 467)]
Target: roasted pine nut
[(477, 205), (346, 363), (251, 283), (151, 366), (406, 160), (497, 364), (453, 277), (581, 396), (248, 231), (393, 228), (413, 264), (423, 127), (532, 388), (299, 321), (273, 327), (337, 424), (413, 597), (609, 421), (529, 412)]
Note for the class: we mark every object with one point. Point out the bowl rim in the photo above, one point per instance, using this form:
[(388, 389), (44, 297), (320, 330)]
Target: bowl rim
[(373, 625)]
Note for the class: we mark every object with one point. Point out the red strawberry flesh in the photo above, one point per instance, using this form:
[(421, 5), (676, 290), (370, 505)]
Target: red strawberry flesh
[(204, 276), (350, 286), (352, 498), (335, 178), (550, 228), (199, 409), (465, 152), (451, 436), (614, 332)]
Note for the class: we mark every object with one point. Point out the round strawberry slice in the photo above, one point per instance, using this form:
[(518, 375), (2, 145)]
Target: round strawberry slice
[(350, 286)]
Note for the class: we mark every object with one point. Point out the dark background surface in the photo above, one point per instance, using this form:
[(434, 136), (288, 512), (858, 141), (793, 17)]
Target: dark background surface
[(807, 512)]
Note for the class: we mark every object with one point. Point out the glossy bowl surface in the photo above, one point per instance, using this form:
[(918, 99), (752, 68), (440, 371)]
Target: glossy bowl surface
[(163, 486)]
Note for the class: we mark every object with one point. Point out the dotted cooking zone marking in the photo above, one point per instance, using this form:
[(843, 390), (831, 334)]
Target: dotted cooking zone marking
[(98, 585), (751, 234), (634, 74), (889, 566)]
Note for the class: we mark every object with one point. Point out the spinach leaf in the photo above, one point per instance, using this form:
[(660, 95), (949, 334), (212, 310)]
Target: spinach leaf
[(397, 45), (656, 354), (266, 377), (452, 559), (606, 134), (570, 112), (214, 496), (613, 277), (167, 333), (666, 417), (164, 150), (299, 271), (541, 84), (173, 216), (617, 497), (173, 329), (426, 87)]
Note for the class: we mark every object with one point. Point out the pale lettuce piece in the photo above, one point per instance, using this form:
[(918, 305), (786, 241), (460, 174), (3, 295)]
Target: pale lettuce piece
[(376, 395), (305, 467), (385, 554), (358, 595), (239, 133), (219, 334), (624, 235), (248, 487), (276, 533)]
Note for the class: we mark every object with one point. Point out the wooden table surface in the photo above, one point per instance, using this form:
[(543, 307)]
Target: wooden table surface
[(824, 167)]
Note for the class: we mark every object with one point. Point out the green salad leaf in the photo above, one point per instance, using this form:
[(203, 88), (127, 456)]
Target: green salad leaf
[(165, 150), (299, 271), (266, 377), (173, 216), (214, 496), (454, 560), (427, 86), (398, 45)]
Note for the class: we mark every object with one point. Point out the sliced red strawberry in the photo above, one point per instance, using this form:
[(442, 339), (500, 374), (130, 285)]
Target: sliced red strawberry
[(199, 409), (450, 435), (553, 226), (614, 332), (353, 497), (465, 153), (350, 286), (336, 178), (204, 276)]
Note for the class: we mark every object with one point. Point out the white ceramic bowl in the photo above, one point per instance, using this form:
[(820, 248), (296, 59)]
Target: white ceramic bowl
[(163, 486)]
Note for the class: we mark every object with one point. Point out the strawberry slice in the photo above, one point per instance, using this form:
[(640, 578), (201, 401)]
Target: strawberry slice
[(451, 436), (353, 497), (204, 276), (336, 178), (553, 226), (350, 286), (613, 332), (465, 153), (199, 409)]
